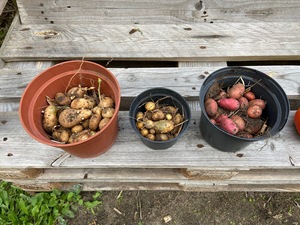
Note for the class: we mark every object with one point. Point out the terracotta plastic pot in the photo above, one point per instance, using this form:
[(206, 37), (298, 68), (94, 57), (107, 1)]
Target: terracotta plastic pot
[(155, 94), (276, 111), (58, 78)]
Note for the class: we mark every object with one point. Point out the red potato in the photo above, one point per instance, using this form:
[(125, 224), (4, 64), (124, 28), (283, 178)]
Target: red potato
[(254, 111), (243, 102), (211, 107), (229, 126), (236, 91), (249, 95), (240, 123), (259, 102), (220, 117), (221, 95), (213, 121), (229, 104)]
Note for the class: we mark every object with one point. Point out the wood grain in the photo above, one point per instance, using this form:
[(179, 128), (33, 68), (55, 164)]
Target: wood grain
[(17, 150), (156, 12), (167, 42)]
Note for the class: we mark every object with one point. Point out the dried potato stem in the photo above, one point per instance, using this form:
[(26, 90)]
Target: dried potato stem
[(82, 61), (249, 88)]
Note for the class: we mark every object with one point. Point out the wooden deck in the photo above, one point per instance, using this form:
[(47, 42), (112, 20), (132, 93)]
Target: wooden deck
[(175, 44)]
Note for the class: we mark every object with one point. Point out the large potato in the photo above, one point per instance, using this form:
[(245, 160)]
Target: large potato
[(68, 118)]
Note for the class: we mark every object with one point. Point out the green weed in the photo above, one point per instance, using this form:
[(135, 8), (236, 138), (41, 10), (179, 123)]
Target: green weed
[(18, 207)]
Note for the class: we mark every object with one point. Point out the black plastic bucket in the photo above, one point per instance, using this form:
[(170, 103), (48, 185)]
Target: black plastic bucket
[(154, 94), (277, 107)]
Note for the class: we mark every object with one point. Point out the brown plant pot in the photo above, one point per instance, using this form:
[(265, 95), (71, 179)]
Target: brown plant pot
[(58, 78)]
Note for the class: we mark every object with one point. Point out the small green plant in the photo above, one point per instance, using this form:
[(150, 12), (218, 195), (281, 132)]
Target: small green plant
[(18, 207)]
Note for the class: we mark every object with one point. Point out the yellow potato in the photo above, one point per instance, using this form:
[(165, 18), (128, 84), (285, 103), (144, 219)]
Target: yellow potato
[(68, 118), (50, 118)]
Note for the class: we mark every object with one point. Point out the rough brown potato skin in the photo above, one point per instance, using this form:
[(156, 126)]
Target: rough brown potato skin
[(211, 107), (50, 118), (68, 118)]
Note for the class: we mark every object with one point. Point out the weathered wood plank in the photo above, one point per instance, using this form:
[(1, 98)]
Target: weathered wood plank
[(173, 42), (163, 179), (2, 5), (163, 11), (17, 151), (184, 80)]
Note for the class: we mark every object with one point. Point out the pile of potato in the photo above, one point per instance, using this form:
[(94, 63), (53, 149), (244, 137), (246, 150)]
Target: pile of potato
[(236, 109), (159, 122), (77, 115)]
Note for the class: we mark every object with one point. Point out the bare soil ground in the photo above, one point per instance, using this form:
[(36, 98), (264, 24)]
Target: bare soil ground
[(192, 208), (182, 208)]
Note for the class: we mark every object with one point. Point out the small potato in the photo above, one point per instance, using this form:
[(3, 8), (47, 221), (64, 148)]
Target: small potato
[(236, 91), (151, 137), (139, 124), (240, 123), (94, 121), (161, 137), (254, 111), (62, 99), (178, 118), (106, 102), (50, 118), (85, 123), (243, 102), (61, 134), (249, 95), (77, 128), (158, 115), (103, 123), (95, 118), (108, 112), (221, 95), (83, 103), (229, 126), (80, 136), (68, 118), (149, 124), (139, 116), (211, 107), (259, 102), (163, 126), (152, 131), (144, 132), (229, 104), (169, 110), (77, 92), (169, 116), (150, 106)]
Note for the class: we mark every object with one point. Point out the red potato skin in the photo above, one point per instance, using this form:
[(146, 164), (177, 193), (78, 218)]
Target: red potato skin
[(254, 111), (229, 126), (259, 102), (230, 104), (244, 103), (240, 123), (236, 91), (249, 95), (220, 117), (211, 107)]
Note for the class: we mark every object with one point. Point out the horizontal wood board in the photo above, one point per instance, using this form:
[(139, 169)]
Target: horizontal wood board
[(167, 42), (156, 12), (18, 150), (185, 80), (157, 179)]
